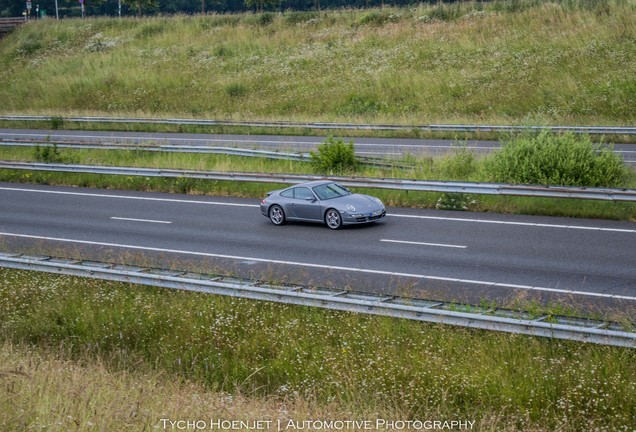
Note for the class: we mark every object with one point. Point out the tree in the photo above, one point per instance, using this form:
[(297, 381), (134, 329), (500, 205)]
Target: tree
[(260, 4), (141, 5)]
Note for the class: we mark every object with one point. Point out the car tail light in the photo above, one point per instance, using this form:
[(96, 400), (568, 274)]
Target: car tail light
[(264, 202)]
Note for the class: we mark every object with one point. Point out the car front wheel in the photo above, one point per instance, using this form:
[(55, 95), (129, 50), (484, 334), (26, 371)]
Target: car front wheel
[(333, 219), (277, 215)]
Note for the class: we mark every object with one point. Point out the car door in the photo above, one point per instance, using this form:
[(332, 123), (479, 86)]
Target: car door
[(287, 202), (305, 204)]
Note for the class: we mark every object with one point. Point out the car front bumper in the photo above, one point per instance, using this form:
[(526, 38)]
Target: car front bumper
[(360, 218)]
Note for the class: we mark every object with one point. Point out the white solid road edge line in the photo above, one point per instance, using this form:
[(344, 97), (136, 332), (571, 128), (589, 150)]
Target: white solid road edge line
[(423, 243), (174, 200), (532, 224), (140, 220), (132, 197), (322, 266)]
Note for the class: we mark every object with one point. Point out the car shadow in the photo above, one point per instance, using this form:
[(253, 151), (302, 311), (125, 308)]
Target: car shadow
[(324, 227)]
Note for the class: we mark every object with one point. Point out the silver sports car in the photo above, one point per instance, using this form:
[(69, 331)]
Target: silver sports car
[(321, 201)]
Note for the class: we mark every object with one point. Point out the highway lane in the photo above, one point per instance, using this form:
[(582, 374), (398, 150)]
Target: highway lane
[(434, 254), (372, 147)]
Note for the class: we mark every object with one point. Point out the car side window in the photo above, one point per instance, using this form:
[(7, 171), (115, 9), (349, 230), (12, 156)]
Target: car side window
[(303, 193), (289, 193)]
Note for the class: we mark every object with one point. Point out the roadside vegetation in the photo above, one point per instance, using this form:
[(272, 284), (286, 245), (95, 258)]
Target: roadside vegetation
[(503, 62), (94, 340), (572, 161), (564, 160), (334, 156)]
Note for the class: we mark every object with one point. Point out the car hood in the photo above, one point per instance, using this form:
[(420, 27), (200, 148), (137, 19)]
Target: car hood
[(362, 203)]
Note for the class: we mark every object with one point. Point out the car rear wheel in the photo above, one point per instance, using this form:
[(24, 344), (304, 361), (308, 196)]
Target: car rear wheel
[(333, 219), (277, 215)]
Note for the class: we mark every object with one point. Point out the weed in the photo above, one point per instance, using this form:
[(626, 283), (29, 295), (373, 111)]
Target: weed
[(57, 122), (550, 159), (235, 90), (334, 156), (455, 201), (460, 165), (52, 154), (376, 18)]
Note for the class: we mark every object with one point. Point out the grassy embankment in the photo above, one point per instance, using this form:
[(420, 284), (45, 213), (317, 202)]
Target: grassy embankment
[(72, 350), (501, 62)]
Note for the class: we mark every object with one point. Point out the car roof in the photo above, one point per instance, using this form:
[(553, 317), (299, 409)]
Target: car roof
[(314, 183)]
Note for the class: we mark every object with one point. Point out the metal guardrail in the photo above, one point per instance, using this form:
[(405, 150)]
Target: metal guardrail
[(232, 151), (595, 130), (8, 24), (12, 21), (503, 320), (628, 195)]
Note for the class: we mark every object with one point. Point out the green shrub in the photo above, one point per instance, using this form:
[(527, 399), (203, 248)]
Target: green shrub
[(376, 18), (446, 12), (51, 154), (47, 154), (564, 160), (460, 165), (293, 17), (455, 201), (334, 156), (260, 19), (57, 123), (30, 47)]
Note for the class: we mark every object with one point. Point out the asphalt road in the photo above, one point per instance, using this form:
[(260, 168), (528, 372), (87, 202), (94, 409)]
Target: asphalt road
[(455, 256), (372, 147)]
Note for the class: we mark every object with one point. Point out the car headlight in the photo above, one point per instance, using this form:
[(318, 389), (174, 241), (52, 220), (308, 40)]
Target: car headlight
[(377, 200), (350, 208)]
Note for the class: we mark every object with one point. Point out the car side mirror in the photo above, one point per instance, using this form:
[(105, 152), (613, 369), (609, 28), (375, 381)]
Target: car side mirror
[(310, 199)]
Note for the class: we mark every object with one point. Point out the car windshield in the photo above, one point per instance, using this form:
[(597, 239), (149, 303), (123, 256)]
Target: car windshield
[(331, 190)]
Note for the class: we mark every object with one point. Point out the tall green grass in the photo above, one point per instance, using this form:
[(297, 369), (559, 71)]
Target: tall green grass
[(563, 160), (461, 165), (361, 363), (505, 62)]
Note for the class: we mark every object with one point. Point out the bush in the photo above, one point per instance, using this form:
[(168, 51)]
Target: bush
[(460, 165), (334, 156), (262, 19), (293, 17), (563, 160), (47, 154), (57, 123), (374, 18), (51, 154), (455, 201)]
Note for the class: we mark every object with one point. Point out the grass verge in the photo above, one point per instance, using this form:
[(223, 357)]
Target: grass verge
[(460, 166), (296, 358), (55, 124), (54, 390)]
